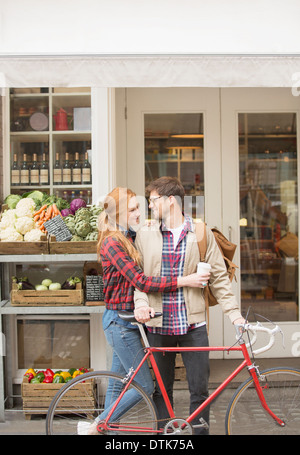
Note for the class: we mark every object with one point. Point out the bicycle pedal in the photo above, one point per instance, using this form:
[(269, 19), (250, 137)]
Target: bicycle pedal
[(203, 424)]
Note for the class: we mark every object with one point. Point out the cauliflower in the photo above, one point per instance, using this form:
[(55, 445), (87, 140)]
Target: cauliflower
[(24, 224), (25, 207), (10, 235), (33, 236), (8, 219)]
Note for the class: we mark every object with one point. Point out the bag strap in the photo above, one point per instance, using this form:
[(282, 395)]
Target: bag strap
[(200, 230)]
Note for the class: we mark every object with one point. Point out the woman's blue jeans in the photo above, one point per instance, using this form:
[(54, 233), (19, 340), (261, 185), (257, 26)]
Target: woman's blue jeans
[(127, 353)]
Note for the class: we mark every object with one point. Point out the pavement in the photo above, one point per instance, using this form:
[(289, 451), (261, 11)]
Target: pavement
[(16, 423)]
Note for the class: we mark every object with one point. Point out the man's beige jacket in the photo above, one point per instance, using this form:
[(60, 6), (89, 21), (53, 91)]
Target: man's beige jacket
[(149, 242)]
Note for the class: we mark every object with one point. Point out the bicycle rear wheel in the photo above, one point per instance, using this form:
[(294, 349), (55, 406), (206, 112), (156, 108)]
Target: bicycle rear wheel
[(281, 388), (84, 398)]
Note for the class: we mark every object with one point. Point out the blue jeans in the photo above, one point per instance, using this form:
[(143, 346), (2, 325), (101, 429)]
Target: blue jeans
[(127, 352)]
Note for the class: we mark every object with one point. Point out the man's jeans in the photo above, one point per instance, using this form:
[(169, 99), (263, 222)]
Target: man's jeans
[(127, 352), (197, 370)]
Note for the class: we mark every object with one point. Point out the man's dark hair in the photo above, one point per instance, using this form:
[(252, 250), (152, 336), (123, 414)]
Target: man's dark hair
[(167, 186)]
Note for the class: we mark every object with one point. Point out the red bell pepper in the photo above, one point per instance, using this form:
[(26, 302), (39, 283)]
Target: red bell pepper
[(29, 376), (83, 370)]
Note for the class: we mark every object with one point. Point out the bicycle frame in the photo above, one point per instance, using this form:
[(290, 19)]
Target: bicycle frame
[(149, 354)]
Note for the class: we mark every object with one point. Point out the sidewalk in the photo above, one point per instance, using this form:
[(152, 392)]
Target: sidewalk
[(16, 424)]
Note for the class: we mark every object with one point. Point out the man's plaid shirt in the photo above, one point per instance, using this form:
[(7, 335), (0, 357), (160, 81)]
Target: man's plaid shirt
[(173, 304), (121, 276)]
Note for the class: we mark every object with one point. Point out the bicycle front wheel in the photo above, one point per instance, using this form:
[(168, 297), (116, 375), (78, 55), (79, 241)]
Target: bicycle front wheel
[(89, 396), (281, 388)]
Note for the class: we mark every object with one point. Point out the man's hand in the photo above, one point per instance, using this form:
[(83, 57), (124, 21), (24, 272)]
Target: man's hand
[(143, 314), (239, 321), (195, 280)]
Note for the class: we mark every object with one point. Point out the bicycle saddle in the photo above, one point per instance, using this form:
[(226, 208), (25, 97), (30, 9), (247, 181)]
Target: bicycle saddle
[(129, 316)]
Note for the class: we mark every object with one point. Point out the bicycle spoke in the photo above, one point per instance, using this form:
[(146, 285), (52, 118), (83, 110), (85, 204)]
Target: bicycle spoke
[(281, 388)]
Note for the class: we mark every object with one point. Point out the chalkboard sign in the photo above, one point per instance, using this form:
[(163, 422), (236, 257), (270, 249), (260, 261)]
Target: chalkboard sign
[(94, 288), (57, 227)]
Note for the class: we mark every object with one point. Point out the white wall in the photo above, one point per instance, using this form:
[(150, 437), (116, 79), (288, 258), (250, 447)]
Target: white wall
[(149, 26)]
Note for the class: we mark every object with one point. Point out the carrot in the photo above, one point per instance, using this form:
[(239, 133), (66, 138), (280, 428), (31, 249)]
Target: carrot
[(36, 218), (55, 210), (49, 212), (40, 210)]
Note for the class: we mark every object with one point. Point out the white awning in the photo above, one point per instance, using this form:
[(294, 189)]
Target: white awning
[(150, 71)]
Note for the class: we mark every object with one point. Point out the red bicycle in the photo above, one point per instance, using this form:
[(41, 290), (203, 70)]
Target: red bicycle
[(267, 403)]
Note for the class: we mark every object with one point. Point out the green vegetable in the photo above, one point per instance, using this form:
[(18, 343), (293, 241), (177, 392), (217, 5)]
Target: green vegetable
[(11, 200), (46, 282), (54, 286), (40, 376), (41, 287), (92, 236), (71, 371), (58, 379), (76, 238), (36, 380), (83, 214), (82, 228), (95, 210)]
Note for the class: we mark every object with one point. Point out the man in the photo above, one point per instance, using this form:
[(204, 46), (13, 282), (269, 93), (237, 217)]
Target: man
[(170, 248)]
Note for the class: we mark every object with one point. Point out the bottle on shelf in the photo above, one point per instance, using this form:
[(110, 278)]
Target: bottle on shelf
[(57, 172), (15, 172), (89, 198), (76, 174), (44, 172), (67, 171), (24, 171), (86, 170), (34, 172)]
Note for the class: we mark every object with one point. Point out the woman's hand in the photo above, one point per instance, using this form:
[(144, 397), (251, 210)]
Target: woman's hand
[(143, 314), (195, 280)]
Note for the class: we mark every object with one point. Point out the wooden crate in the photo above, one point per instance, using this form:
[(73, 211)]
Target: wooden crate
[(71, 247), (12, 248), (37, 397), (62, 297), (41, 247)]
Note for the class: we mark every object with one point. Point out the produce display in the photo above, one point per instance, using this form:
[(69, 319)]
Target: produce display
[(83, 222), (56, 377), (25, 217), (24, 284)]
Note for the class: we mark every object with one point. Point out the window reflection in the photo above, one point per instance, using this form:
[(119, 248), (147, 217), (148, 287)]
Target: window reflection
[(174, 148), (269, 214)]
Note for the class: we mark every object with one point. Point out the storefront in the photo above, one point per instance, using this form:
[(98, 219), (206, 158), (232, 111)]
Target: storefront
[(227, 125)]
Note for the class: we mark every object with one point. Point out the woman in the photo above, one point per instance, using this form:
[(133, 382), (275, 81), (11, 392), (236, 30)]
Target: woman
[(121, 275)]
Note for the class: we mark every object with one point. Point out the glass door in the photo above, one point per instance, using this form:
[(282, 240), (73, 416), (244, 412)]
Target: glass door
[(269, 214), (174, 148), (175, 132), (261, 204)]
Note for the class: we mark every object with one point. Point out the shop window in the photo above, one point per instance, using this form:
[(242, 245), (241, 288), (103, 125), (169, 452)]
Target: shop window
[(174, 148), (269, 214), (57, 343)]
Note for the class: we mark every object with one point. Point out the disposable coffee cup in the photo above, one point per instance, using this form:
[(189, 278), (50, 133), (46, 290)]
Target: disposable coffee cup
[(203, 267)]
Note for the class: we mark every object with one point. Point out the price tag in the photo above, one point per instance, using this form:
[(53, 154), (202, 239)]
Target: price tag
[(94, 288), (57, 227)]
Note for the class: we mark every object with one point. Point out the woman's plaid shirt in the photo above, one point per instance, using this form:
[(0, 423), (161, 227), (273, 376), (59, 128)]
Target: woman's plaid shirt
[(121, 276)]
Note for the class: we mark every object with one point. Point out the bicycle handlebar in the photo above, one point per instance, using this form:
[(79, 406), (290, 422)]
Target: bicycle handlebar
[(258, 327)]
